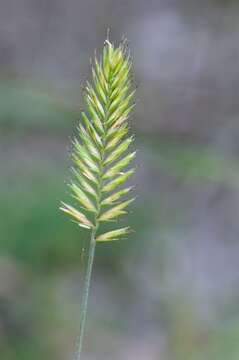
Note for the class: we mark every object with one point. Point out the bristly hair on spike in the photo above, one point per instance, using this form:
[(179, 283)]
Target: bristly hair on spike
[(101, 157)]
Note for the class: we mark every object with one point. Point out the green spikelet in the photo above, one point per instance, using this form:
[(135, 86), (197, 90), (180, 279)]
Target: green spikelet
[(101, 157), (100, 153)]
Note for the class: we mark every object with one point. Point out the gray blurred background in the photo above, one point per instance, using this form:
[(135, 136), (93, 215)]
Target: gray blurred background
[(171, 292)]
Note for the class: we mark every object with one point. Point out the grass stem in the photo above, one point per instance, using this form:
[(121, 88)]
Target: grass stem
[(85, 295)]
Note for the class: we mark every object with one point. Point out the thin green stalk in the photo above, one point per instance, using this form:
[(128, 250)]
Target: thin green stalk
[(85, 295)]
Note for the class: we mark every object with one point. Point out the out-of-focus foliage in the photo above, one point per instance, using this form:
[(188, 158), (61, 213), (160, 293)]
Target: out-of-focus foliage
[(171, 291), (27, 107)]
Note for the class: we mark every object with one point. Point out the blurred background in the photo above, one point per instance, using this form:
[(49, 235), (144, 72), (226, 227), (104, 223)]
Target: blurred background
[(171, 292)]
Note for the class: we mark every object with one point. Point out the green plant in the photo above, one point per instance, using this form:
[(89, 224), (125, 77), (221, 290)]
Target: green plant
[(100, 156)]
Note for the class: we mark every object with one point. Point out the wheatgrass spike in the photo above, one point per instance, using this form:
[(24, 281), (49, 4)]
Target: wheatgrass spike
[(101, 156)]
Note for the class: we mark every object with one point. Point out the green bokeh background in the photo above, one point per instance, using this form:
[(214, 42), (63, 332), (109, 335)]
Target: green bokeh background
[(170, 292)]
